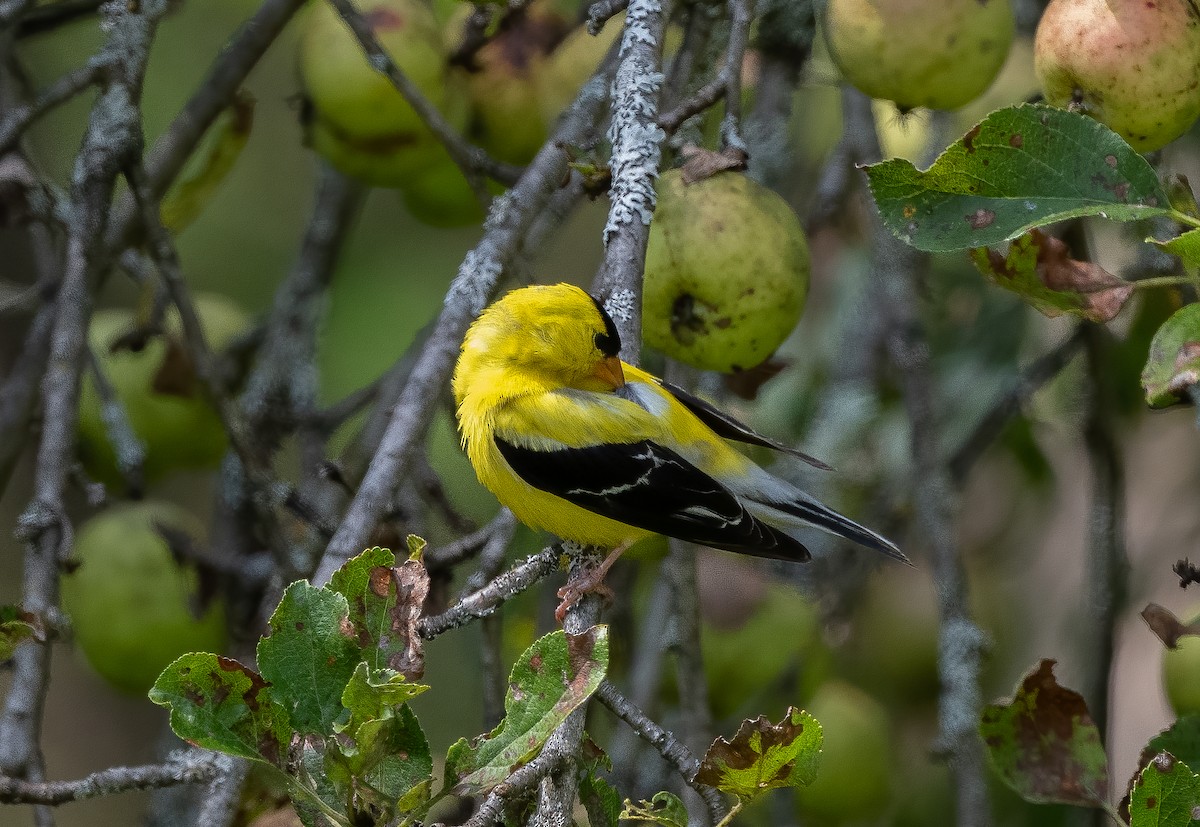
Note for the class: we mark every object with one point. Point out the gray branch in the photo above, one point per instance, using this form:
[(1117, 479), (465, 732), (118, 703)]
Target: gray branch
[(193, 767)]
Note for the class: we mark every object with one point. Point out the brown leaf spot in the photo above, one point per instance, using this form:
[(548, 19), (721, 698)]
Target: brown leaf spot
[(535, 663), (1103, 293), (749, 744), (1111, 160), (980, 219), (380, 581), (412, 587), (909, 211), (969, 139), (1016, 140)]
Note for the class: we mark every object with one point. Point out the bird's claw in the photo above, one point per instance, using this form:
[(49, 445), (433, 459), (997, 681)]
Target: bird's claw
[(574, 591)]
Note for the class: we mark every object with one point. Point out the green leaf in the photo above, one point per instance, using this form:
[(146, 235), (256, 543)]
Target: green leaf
[(553, 677), (1019, 168), (375, 693), (219, 704), (17, 625), (1181, 739), (1186, 246), (1045, 745), (1166, 794), (1040, 270), (389, 757), (763, 756), (664, 808), (600, 799), (309, 656), (1173, 364), (385, 603)]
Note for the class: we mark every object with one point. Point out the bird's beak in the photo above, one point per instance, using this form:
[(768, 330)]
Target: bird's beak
[(609, 372)]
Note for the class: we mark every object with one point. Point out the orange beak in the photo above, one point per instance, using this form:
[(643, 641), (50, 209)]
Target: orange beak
[(609, 372)]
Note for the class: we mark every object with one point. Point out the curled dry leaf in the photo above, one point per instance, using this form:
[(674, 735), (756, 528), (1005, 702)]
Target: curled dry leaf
[(1039, 268), (700, 163), (1167, 626)]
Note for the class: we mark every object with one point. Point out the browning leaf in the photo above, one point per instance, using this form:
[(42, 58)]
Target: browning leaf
[(763, 756), (700, 163), (1166, 625)]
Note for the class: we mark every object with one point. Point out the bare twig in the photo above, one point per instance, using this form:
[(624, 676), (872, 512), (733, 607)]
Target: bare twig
[(128, 448), (518, 785), (601, 12), (68, 86), (47, 16), (727, 84), (669, 747), (470, 159), (500, 528), (960, 641), (508, 221), (1107, 567), (483, 602), (192, 767), (1009, 404)]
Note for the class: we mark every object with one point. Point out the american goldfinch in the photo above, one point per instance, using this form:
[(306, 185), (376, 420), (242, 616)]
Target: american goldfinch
[(579, 443)]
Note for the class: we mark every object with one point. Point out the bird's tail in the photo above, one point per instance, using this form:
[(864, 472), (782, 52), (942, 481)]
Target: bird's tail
[(814, 513)]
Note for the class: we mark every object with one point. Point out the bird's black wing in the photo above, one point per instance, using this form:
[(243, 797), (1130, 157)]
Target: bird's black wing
[(651, 487), (724, 425)]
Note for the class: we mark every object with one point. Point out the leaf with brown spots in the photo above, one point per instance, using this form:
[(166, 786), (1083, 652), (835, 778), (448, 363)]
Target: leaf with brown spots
[(1045, 745), (1039, 269), (1166, 794), (220, 704), (700, 163), (386, 602), (1021, 167), (552, 678), (763, 756), (1166, 626), (1173, 364), (309, 656)]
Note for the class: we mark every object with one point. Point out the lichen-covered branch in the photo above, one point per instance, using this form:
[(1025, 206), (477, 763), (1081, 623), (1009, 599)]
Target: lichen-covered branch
[(483, 602), (192, 767)]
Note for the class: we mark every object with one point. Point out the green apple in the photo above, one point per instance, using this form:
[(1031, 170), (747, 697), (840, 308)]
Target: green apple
[(854, 775), (726, 274), (162, 397), (346, 89), (440, 196), (745, 661), (1132, 65), (1181, 674), (895, 641), (935, 53), (130, 602), (504, 84)]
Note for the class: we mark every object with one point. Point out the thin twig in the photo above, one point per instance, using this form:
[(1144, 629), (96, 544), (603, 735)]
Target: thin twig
[(669, 747), (66, 87), (128, 448), (194, 767), (464, 548), (601, 12), (470, 159), (483, 602), (1107, 567), (48, 16), (509, 219), (518, 785)]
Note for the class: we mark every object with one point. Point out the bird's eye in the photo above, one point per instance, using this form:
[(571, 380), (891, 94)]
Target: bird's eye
[(609, 341)]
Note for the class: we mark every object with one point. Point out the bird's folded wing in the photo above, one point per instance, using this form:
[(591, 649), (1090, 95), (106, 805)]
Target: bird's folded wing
[(646, 485)]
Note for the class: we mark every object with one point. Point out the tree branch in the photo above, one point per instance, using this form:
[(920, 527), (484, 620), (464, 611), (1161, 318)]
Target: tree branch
[(483, 602), (191, 767)]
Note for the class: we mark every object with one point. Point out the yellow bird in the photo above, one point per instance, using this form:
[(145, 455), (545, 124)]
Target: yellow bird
[(589, 448)]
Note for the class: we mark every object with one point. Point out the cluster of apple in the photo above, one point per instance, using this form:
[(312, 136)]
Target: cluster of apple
[(1133, 65), (504, 96), (132, 603)]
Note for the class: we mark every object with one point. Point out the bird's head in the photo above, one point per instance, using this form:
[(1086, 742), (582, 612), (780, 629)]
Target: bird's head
[(540, 337)]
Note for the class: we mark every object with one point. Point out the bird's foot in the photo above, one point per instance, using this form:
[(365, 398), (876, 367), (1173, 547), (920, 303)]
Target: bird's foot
[(591, 582)]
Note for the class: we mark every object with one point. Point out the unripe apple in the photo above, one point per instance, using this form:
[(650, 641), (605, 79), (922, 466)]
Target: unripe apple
[(1181, 674), (504, 84), (162, 396), (440, 196), (726, 274), (130, 602), (935, 53), (854, 775), (1133, 65), (348, 92)]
